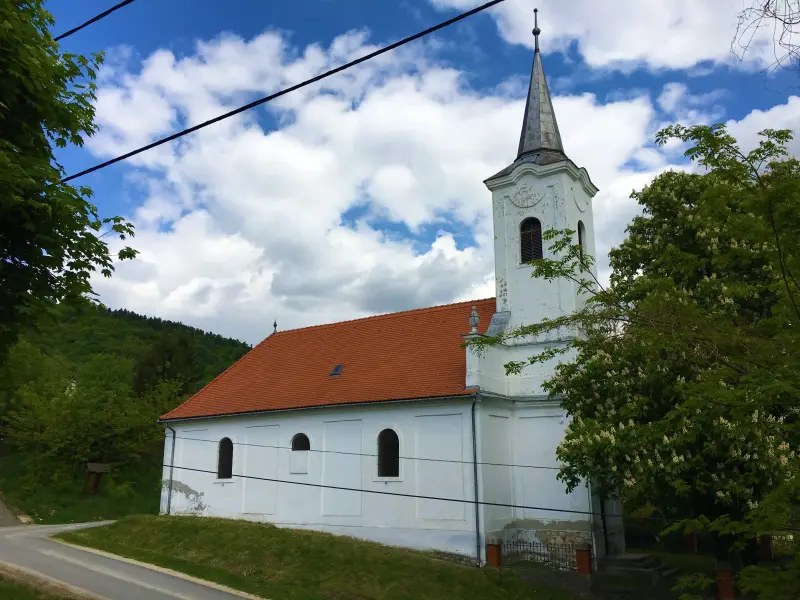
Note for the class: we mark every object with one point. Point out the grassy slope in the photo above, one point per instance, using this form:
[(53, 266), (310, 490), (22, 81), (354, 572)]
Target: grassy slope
[(299, 565), (11, 590)]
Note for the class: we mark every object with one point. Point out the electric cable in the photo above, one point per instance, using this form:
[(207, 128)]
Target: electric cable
[(440, 460), (399, 494), (284, 91), (94, 19)]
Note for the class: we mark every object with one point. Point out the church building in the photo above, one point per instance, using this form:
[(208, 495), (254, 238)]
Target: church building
[(385, 428)]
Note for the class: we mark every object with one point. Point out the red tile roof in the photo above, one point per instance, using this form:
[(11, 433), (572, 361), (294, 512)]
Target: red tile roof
[(405, 355)]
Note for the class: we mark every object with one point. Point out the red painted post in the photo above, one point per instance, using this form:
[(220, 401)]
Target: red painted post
[(726, 590), (494, 555), (583, 560)]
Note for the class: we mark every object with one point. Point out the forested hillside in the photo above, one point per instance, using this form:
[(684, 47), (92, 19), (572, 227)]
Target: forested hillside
[(80, 333), (88, 385)]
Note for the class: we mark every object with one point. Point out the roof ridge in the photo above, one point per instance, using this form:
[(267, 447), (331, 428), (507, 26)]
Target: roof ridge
[(436, 307)]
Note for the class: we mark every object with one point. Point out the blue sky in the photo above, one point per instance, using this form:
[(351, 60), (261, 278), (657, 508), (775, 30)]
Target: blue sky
[(364, 195)]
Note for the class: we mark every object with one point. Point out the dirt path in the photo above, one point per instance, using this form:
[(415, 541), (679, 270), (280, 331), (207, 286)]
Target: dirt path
[(7, 518)]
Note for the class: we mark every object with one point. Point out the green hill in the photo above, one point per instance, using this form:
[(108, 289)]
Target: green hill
[(78, 334)]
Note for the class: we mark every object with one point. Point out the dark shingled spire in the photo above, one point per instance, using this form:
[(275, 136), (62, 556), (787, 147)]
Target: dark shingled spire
[(539, 127)]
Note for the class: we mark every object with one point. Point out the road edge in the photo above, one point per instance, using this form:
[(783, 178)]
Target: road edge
[(178, 574), (23, 575)]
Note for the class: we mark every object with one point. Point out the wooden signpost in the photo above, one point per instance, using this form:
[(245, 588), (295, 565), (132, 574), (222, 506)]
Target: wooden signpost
[(94, 471)]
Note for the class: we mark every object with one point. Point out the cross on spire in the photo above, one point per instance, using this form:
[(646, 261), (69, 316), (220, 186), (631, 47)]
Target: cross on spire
[(536, 31)]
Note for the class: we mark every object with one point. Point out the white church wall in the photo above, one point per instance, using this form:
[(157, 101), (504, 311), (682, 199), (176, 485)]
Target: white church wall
[(489, 372), (348, 436), (579, 209), (497, 479), (557, 200), (528, 438)]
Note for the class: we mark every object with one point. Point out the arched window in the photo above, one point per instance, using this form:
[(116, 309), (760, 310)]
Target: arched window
[(388, 454), (581, 237), (530, 240), (225, 459), (300, 442)]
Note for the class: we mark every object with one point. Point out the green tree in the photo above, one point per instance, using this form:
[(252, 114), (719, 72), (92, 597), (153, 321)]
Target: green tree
[(173, 357), (683, 384), (69, 417), (50, 240)]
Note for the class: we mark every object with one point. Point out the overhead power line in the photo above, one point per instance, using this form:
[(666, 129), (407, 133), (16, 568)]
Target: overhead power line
[(94, 19), (438, 460), (399, 494), (285, 91)]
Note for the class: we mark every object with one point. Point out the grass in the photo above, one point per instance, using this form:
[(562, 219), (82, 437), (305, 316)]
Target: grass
[(14, 590), (300, 565)]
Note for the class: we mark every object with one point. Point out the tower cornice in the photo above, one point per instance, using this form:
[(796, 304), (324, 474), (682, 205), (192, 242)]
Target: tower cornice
[(513, 174)]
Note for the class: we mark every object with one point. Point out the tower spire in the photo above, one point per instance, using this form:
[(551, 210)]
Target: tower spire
[(539, 127)]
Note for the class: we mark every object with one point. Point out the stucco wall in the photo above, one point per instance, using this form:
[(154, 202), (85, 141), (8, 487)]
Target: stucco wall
[(425, 429), (559, 200), (526, 434), (487, 368)]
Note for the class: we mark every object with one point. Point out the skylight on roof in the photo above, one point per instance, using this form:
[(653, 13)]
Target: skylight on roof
[(336, 370)]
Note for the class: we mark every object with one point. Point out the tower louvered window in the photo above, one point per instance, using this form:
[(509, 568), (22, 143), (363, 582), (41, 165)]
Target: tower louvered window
[(581, 237), (530, 240)]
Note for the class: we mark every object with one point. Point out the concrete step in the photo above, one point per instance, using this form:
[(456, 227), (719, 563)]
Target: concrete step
[(629, 561)]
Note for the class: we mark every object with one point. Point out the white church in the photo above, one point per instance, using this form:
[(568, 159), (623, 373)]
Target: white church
[(386, 428)]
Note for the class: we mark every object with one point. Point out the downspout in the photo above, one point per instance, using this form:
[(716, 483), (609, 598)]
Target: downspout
[(475, 472), (171, 468)]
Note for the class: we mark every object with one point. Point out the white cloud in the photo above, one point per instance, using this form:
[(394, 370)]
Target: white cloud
[(242, 222), (691, 109), (782, 116), (675, 34)]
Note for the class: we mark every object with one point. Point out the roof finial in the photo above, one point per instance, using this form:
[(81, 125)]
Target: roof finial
[(275, 326), (474, 320), (536, 31)]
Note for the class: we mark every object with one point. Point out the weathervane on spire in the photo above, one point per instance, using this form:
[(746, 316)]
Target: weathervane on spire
[(536, 31)]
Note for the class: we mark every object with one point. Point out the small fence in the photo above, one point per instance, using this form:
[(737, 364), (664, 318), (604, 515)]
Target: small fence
[(560, 557), (573, 558)]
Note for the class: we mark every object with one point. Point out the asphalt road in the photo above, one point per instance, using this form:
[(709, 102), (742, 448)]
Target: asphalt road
[(28, 547), (7, 518)]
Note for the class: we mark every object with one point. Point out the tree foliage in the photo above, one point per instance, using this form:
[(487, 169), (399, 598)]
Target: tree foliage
[(50, 240), (82, 332), (173, 357), (683, 383)]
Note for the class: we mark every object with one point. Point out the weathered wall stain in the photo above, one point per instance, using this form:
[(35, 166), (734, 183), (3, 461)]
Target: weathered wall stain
[(193, 497)]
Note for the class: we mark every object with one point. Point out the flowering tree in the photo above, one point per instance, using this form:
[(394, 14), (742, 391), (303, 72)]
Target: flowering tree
[(684, 383)]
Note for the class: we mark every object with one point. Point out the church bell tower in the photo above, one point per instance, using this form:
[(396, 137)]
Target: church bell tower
[(541, 190)]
